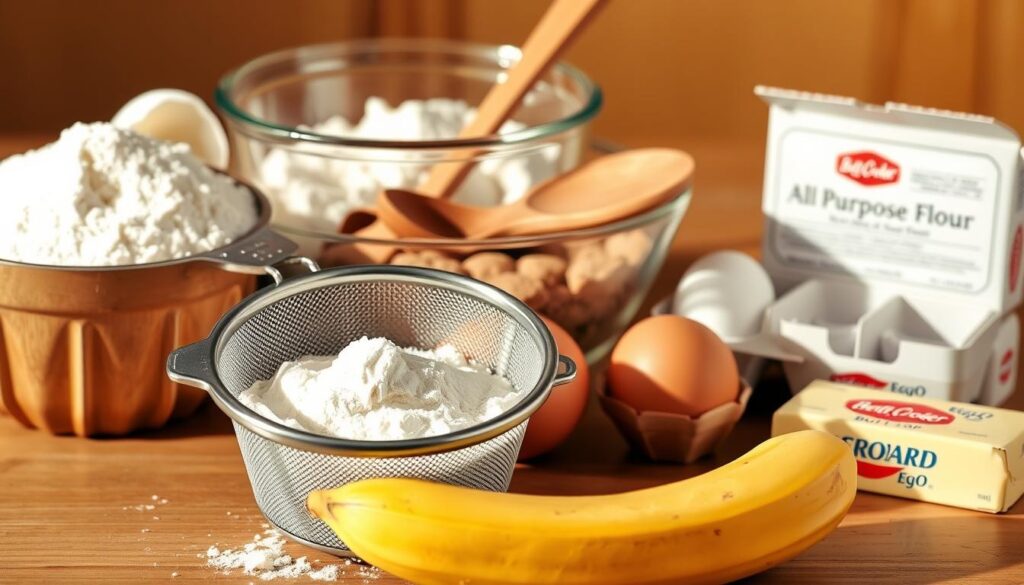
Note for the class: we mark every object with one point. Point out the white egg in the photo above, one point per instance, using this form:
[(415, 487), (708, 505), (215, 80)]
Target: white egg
[(177, 116), (728, 292)]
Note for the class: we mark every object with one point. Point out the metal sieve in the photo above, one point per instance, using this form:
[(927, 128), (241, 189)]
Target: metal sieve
[(319, 314)]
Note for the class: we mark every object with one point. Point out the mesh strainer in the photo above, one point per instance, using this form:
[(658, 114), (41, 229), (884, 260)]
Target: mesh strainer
[(319, 314)]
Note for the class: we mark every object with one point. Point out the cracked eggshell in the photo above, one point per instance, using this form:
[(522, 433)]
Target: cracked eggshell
[(728, 292), (177, 116)]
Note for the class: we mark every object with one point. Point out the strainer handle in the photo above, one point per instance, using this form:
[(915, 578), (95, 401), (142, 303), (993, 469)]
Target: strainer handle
[(254, 252), (568, 374), (264, 251), (190, 365)]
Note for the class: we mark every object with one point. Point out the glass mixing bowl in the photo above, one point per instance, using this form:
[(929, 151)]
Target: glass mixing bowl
[(284, 115)]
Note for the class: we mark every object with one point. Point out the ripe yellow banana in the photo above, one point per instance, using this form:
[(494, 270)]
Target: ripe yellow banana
[(760, 510)]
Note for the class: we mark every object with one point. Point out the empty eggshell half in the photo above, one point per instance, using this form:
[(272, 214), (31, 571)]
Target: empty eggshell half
[(727, 292), (177, 116)]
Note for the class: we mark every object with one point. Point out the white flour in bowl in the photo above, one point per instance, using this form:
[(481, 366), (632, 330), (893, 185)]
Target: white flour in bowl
[(377, 391), (103, 196), (316, 187)]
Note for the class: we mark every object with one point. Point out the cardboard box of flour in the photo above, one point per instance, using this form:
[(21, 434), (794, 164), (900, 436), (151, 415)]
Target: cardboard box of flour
[(894, 236), (950, 453)]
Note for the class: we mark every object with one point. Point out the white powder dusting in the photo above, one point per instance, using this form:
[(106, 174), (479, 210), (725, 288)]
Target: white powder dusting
[(266, 559), (148, 507), (103, 196), (314, 188), (328, 573), (375, 390)]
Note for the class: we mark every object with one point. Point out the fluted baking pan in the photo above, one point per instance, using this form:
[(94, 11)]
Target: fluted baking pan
[(82, 349)]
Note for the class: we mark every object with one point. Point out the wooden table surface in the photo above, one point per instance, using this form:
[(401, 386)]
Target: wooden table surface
[(68, 506)]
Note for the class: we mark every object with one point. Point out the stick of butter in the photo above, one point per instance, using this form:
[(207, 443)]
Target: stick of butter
[(942, 452)]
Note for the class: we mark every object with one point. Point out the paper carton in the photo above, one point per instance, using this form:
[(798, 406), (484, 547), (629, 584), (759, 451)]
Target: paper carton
[(894, 236)]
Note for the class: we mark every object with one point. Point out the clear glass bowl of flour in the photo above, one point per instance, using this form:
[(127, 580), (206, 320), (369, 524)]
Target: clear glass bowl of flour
[(322, 129)]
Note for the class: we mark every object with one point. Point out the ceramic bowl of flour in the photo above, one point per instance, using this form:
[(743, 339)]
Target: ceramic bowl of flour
[(150, 248)]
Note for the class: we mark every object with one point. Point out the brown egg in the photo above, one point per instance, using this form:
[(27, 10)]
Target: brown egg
[(557, 417), (672, 364)]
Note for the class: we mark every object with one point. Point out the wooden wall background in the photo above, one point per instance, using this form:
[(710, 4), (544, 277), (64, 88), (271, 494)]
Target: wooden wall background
[(673, 70)]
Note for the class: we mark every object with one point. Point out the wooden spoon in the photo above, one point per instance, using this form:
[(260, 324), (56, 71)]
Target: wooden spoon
[(556, 29), (610, 188)]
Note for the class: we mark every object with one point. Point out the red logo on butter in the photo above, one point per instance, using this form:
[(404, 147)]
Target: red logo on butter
[(875, 471), (904, 412), (858, 379), (867, 168)]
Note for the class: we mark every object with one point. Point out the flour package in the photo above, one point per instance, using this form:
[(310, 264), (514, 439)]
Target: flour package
[(893, 235)]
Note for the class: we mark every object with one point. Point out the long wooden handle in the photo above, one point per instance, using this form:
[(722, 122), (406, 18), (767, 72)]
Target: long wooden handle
[(555, 31)]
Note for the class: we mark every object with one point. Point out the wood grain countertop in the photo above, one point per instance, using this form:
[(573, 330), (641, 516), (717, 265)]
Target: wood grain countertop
[(73, 510)]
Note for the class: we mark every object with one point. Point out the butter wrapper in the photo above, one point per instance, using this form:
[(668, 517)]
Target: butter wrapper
[(949, 453)]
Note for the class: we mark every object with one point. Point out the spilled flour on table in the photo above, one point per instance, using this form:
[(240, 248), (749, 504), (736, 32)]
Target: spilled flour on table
[(148, 507), (265, 558)]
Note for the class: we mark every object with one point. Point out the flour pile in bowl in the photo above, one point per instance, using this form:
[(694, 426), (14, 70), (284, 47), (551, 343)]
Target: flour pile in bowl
[(314, 186), (375, 390), (104, 196)]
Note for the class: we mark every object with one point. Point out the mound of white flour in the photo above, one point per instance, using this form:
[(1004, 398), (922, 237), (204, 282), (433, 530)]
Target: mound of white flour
[(103, 196), (316, 187), (375, 390)]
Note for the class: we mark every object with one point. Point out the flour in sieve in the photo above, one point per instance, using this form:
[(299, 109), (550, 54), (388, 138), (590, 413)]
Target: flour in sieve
[(102, 196), (375, 390)]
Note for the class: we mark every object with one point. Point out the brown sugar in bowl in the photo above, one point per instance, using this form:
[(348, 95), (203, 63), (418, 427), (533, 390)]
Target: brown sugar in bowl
[(82, 350)]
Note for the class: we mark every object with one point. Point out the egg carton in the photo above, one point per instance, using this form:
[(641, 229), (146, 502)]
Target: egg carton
[(852, 333)]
